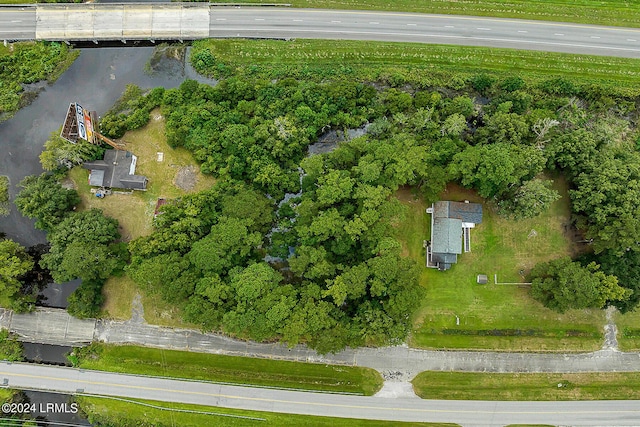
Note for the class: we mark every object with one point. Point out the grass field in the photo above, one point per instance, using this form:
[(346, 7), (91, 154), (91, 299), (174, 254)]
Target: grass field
[(423, 64), (119, 293), (118, 412), (499, 317), (135, 211), (231, 369), (628, 330), (606, 12), (489, 386)]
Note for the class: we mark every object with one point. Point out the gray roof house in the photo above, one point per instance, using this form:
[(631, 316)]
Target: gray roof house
[(451, 224), (116, 170)]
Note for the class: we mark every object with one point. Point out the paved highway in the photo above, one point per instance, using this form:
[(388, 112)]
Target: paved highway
[(188, 21), (409, 27), (596, 413), (18, 23)]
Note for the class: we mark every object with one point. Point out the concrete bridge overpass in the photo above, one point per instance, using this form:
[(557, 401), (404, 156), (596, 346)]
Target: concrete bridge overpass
[(105, 21), (189, 21)]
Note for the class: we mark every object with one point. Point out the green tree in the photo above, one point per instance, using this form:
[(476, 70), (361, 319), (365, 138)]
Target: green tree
[(562, 285), (14, 263), (79, 247), (529, 200), (504, 127), (10, 347), (43, 198), (4, 195), (454, 125), (86, 300), (58, 152), (229, 244), (627, 269), (85, 260), (496, 168), (606, 200)]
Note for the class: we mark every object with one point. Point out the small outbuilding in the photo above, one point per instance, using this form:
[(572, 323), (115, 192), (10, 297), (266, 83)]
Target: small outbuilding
[(116, 170), (482, 279)]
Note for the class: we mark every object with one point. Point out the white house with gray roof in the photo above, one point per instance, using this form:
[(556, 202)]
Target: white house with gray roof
[(451, 224)]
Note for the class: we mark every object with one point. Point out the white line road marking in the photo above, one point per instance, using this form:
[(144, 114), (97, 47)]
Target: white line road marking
[(411, 25), (15, 22), (297, 20), (483, 29), (595, 37), (259, 19), (374, 23), (523, 31), (336, 22), (449, 26), (558, 34), (452, 37), (632, 40), (221, 19)]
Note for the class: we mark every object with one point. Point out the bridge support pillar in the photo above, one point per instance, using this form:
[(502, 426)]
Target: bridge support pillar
[(124, 41), (5, 43), (67, 42), (95, 42)]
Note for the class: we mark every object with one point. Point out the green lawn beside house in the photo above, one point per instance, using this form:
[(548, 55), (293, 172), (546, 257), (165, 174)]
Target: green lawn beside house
[(458, 313)]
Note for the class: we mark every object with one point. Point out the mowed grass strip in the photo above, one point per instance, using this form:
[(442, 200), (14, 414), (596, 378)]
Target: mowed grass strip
[(114, 412), (426, 64), (529, 386), (231, 369), (628, 325), (607, 12), (457, 313)]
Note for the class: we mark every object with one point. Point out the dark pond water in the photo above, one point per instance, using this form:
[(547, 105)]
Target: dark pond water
[(46, 353), (54, 409), (95, 80)]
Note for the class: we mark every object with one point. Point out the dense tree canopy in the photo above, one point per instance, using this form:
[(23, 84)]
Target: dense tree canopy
[(80, 247), (60, 153), (44, 199), (15, 262), (563, 284), (4, 195), (302, 247)]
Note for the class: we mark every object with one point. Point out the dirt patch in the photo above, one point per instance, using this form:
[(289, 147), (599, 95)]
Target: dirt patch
[(68, 184), (186, 178)]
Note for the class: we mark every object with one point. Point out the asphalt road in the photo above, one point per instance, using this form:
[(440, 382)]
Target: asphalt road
[(17, 23), (75, 23), (410, 27), (466, 413)]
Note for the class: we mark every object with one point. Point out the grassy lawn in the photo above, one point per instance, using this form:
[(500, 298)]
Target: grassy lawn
[(485, 386), (132, 412), (119, 293), (628, 330), (231, 369), (424, 64), (134, 212), (499, 317), (607, 12)]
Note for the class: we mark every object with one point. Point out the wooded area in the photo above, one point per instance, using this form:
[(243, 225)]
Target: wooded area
[(302, 248)]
